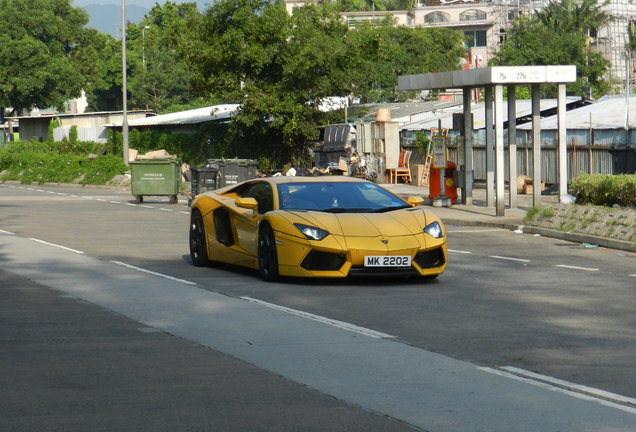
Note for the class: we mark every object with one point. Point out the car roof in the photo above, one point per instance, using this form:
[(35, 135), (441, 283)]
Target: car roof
[(314, 179)]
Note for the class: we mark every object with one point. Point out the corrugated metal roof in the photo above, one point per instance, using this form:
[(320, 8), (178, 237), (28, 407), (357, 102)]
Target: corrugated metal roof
[(609, 112), (194, 116), (523, 108), (408, 111)]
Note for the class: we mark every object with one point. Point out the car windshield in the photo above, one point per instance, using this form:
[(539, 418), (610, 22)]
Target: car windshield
[(338, 197)]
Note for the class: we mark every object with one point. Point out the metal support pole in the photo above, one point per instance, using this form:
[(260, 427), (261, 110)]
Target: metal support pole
[(499, 152), (512, 147), (562, 142), (490, 149), (536, 145), (124, 123), (467, 195)]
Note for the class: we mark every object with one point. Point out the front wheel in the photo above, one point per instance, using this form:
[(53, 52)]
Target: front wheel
[(267, 255), (198, 246)]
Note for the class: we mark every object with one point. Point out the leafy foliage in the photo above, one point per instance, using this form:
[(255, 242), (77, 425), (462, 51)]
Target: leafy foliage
[(281, 67), (41, 46), (558, 34), (40, 162), (605, 190)]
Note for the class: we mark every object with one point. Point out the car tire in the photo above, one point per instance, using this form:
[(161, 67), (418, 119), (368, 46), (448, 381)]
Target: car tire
[(267, 255), (198, 245)]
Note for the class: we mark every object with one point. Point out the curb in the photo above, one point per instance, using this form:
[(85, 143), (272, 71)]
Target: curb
[(546, 232)]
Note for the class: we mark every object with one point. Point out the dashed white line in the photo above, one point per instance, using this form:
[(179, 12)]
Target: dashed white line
[(150, 272), (57, 246), (114, 202), (6, 232), (576, 268), (510, 258), (459, 251), (340, 324)]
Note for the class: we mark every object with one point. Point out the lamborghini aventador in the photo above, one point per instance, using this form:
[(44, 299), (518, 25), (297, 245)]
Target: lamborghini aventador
[(329, 226)]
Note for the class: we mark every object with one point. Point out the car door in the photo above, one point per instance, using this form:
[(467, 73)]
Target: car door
[(246, 221)]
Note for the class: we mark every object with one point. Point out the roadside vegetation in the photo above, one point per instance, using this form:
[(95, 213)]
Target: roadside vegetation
[(59, 162), (605, 207)]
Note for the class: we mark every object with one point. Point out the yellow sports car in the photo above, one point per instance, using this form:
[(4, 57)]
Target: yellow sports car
[(329, 226)]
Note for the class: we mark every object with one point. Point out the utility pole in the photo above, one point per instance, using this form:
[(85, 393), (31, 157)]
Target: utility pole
[(124, 123)]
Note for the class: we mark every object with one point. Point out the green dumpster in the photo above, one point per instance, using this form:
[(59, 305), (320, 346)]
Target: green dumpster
[(156, 177)]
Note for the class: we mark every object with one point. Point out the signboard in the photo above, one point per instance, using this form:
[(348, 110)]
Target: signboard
[(439, 151)]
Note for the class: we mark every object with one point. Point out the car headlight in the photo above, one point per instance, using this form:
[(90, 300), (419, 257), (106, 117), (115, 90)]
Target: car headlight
[(434, 230), (312, 233)]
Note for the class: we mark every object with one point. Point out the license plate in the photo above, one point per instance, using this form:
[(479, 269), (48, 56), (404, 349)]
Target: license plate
[(387, 261)]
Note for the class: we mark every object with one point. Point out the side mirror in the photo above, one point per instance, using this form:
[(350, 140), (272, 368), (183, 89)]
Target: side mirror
[(247, 203), (415, 200)]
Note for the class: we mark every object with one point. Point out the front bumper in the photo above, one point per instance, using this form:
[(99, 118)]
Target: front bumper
[(303, 258)]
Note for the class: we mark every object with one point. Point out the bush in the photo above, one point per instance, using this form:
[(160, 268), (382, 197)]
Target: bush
[(605, 190), (60, 162)]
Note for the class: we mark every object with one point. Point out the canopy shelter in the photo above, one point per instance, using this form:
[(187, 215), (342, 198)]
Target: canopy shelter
[(492, 80)]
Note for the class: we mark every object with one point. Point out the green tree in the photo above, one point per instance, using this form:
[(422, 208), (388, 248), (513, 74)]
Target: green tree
[(39, 46), (388, 51), (281, 67), (102, 61), (559, 35), (159, 77), (278, 67)]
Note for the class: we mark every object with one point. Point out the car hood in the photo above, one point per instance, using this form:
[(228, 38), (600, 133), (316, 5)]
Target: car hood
[(390, 224)]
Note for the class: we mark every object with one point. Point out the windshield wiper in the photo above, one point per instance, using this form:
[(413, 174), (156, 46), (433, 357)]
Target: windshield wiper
[(346, 210), (388, 209)]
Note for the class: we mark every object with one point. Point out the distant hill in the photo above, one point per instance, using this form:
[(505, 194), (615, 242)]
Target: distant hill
[(105, 15), (107, 18)]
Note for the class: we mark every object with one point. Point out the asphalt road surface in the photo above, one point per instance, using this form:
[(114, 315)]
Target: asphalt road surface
[(511, 310)]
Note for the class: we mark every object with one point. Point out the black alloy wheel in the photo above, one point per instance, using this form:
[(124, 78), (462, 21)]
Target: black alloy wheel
[(267, 256), (198, 248)]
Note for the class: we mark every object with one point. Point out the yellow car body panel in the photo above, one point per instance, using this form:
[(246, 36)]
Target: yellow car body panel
[(232, 232)]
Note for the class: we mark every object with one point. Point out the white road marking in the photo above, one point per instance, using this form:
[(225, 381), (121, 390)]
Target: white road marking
[(458, 251), (184, 212), (548, 386), (566, 384), (57, 246), (576, 268), (510, 258), (9, 232), (114, 202), (339, 324), (165, 276), (165, 209)]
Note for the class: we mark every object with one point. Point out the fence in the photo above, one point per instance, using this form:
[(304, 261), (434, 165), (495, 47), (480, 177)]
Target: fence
[(612, 152)]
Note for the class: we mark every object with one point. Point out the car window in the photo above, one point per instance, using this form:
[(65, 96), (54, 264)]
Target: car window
[(262, 193), (338, 197)]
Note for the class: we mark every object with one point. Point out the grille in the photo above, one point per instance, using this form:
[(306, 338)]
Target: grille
[(430, 259), (316, 260)]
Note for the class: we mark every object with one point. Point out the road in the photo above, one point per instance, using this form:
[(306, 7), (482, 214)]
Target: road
[(508, 303)]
